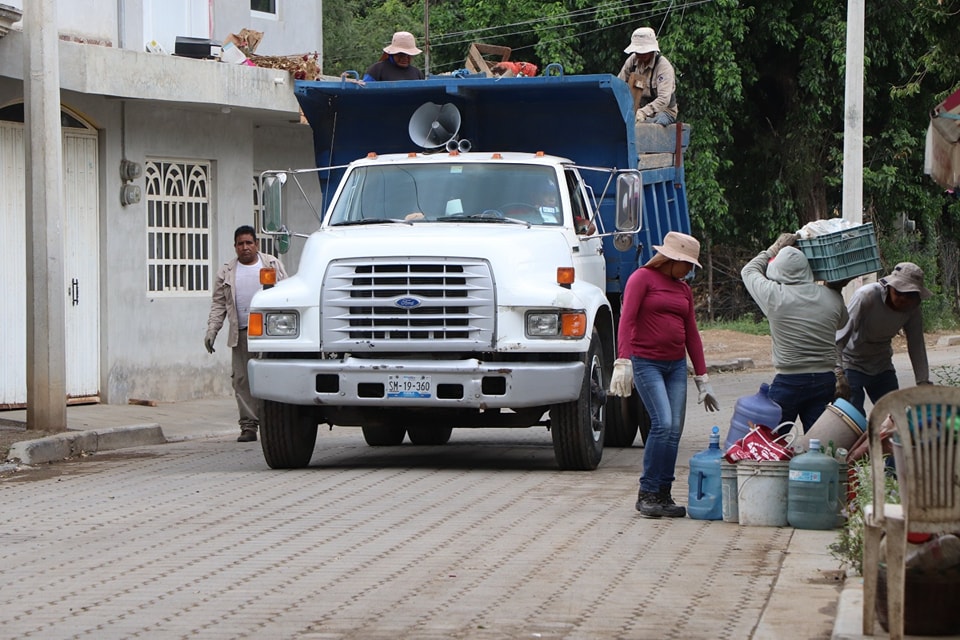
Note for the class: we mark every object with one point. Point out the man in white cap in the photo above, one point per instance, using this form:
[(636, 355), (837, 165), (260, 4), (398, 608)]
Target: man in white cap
[(878, 311), (394, 64), (652, 79)]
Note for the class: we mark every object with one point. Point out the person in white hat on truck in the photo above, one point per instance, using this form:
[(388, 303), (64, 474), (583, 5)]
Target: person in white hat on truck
[(652, 79), (395, 62), (878, 311)]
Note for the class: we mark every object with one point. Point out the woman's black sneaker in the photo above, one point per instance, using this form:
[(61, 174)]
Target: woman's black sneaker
[(670, 508)]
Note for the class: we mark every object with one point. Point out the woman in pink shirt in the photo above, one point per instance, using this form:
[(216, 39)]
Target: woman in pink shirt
[(658, 328)]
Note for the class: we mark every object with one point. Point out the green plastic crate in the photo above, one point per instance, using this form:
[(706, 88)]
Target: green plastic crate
[(843, 254)]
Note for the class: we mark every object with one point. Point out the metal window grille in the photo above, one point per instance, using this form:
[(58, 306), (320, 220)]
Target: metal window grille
[(178, 227)]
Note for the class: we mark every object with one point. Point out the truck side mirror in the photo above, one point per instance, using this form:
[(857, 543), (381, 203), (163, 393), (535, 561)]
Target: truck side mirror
[(629, 201), (271, 201)]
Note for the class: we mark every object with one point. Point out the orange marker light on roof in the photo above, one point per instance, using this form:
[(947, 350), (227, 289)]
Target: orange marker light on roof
[(565, 275), (411, 154), (454, 152), (268, 276), (539, 154), (496, 156), (372, 154)]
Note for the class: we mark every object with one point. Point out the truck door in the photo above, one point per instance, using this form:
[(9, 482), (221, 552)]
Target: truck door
[(588, 259)]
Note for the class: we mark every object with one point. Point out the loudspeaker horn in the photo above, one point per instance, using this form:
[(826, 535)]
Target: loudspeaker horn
[(433, 125)]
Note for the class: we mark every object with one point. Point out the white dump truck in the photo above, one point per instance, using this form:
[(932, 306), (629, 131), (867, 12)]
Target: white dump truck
[(474, 238)]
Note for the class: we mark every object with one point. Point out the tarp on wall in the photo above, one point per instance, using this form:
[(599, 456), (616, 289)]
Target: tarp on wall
[(942, 153)]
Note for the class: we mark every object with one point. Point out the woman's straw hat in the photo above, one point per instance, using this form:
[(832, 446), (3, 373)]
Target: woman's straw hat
[(676, 246)]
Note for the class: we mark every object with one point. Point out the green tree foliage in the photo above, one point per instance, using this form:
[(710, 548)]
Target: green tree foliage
[(762, 82)]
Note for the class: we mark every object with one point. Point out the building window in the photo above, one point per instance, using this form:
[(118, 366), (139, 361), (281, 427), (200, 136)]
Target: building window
[(264, 6), (178, 227)]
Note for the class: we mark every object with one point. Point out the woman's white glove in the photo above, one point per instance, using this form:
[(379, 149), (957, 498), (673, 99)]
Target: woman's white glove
[(706, 397), (621, 383)]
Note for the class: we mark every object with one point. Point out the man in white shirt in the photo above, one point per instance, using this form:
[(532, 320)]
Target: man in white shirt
[(236, 283)]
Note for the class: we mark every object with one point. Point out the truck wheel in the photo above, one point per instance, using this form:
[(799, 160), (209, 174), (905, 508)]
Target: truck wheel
[(621, 425), (626, 417), (383, 435), (288, 433), (429, 435), (639, 416), (577, 427)]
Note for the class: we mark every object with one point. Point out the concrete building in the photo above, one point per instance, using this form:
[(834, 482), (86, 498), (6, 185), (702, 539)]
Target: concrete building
[(160, 154)]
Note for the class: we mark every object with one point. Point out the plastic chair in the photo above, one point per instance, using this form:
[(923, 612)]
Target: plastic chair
[(926, 441)]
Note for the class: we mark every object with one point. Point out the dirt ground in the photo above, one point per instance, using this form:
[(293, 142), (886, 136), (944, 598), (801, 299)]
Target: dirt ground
[(719, 345)]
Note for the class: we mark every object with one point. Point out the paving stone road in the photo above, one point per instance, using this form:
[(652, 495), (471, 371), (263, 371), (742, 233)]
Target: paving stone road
[(480, 538)]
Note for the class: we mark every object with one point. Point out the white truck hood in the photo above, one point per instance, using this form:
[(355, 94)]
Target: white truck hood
[(523, 260)]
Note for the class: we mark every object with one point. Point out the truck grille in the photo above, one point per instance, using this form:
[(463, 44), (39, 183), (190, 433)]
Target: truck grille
[(427, 304)]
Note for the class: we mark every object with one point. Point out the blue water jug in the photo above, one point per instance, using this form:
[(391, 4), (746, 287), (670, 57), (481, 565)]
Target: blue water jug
[(758, 409), (813, 497), (705, 499)]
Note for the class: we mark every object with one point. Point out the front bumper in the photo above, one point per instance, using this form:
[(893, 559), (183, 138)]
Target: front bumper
[(466, 383)]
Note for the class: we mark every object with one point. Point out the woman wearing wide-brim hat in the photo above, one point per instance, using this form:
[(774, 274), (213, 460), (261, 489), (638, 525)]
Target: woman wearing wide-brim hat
[(395, 62), (658, 329)]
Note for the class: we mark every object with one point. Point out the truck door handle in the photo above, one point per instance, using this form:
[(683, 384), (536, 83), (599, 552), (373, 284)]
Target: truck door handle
[(74, 292)]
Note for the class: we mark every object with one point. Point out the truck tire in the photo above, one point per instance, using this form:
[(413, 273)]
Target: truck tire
[(383, 435), (625, 417), (621, 426), (639, 416), (577, 427), (288, 433), (429, 435)]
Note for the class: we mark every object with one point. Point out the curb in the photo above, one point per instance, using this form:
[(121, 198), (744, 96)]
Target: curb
[(68, 445), (848, 624)]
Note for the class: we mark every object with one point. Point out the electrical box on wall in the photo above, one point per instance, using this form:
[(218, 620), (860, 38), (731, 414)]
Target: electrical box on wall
[(129, 194)]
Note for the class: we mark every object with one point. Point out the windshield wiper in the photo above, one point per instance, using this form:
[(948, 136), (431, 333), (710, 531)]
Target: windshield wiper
[(350, 223), (479, 217)]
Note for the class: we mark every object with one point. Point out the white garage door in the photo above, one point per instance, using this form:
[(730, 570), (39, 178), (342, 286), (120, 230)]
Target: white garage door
[(81, 263)]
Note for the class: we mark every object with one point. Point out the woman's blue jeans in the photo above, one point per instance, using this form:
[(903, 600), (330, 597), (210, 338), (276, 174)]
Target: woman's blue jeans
[(662, 385)]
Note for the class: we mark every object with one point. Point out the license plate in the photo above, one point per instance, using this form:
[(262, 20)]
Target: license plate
[(407, 386)]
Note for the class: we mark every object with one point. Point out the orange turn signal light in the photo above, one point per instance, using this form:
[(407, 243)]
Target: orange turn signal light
[(268, 276), (573, 325), (255, 324), (565, 275)]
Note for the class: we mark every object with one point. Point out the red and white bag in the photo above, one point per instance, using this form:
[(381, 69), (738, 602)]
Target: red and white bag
[(760, 443)]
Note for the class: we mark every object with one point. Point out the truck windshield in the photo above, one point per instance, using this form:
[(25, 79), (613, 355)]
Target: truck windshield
[(427, 193)]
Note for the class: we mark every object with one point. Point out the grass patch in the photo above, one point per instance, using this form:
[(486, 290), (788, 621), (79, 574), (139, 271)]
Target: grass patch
[(743, 325)]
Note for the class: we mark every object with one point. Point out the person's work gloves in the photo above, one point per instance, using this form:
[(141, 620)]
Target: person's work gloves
[(785, 240), (843, 385), (621, 383), (706, 397), (208, 343), (641, 116)]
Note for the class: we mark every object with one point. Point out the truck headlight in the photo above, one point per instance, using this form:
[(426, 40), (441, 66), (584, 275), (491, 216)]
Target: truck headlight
[(543, 325), (282, 325), (556, 324)]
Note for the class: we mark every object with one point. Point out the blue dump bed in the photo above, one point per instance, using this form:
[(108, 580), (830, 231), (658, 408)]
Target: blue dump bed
[(586, 118)]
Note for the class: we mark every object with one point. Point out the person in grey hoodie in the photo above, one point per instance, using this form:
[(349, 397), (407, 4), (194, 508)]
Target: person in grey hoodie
[(804, 318)]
